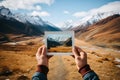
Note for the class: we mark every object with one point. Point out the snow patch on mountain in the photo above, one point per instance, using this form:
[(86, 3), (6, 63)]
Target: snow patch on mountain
[(93, 18), (24, 18), (95, 15), (88, 20), (5, 12)]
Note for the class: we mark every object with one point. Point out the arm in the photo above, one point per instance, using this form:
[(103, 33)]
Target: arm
[(82, 66), (42, 67)]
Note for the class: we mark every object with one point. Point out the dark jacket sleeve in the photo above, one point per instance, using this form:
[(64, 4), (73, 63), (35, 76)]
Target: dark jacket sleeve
[(41, 73), (91, 76), (39, 76), (87, 73)]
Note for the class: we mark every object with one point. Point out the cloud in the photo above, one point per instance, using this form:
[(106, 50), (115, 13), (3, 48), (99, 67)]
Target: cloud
[(25, 4), (113, 6), (42, 14), (69, 21), (38, 8), (110, 7), (80, 14), (66, 12)]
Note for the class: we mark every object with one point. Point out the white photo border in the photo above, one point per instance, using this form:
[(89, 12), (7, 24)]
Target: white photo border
[(59, 32)]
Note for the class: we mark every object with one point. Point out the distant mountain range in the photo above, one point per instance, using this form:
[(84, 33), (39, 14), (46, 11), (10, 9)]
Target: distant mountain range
[(101, 29), (24, 24), (92, 17), (18, 24), (54, 43), (105, 33)]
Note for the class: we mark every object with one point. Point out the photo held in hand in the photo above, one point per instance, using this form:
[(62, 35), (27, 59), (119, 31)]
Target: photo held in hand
[(59, 42)]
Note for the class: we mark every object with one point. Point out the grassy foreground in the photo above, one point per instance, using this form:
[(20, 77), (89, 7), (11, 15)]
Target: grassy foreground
[(20, 60), (60, 49)]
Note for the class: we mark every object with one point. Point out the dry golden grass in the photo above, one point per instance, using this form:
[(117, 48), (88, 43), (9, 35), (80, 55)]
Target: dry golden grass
[(103, 35), (104, 67), (60, 49), (21, 60)]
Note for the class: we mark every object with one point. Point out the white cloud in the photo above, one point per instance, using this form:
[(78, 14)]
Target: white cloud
[(80, 14), (24, 4), (42, 14), (113, 6), (66, 12), (38, 8), (110, 7)]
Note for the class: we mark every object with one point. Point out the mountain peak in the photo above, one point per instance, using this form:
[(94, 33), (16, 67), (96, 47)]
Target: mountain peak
[(104, 33), (5, 11), (21, 24), (103, 21), (2, 7), (94, 18)]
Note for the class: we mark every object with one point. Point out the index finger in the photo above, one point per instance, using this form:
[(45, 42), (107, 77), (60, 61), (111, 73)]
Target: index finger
[(75, 51), (39, 51), (43, 50)]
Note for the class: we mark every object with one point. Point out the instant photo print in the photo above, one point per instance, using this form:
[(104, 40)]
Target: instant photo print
[(59, 42)]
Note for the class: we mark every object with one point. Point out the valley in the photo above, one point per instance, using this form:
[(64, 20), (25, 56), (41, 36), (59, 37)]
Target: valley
[(60, 49), (97, 34), (20, 60), (104, 33)]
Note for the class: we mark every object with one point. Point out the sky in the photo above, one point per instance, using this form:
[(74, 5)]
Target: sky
[(59, 11), (59, 37)]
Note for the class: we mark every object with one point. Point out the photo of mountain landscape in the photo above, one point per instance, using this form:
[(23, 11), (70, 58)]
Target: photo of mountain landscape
[(59, 42), (96, 26)]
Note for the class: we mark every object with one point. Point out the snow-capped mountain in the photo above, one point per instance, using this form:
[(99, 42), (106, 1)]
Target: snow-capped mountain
[(24, 18), (93, 18), (67, 25), (36, 20), (4, 11), (94, 15), (105, 33), (22, 23), (87, 20)]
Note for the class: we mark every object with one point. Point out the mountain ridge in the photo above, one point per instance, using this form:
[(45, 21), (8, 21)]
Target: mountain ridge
[(11, 25), (105, 33)]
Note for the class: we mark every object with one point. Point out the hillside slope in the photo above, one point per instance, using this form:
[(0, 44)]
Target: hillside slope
[(12, 25), (105, 33)]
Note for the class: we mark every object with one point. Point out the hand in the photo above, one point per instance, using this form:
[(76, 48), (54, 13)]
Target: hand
[(80, 57), (41, 56)]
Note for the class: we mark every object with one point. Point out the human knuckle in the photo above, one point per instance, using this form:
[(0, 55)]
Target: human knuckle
[(77, 57)]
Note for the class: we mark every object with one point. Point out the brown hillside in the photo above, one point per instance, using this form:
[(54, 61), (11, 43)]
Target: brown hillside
[(105, 33)]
